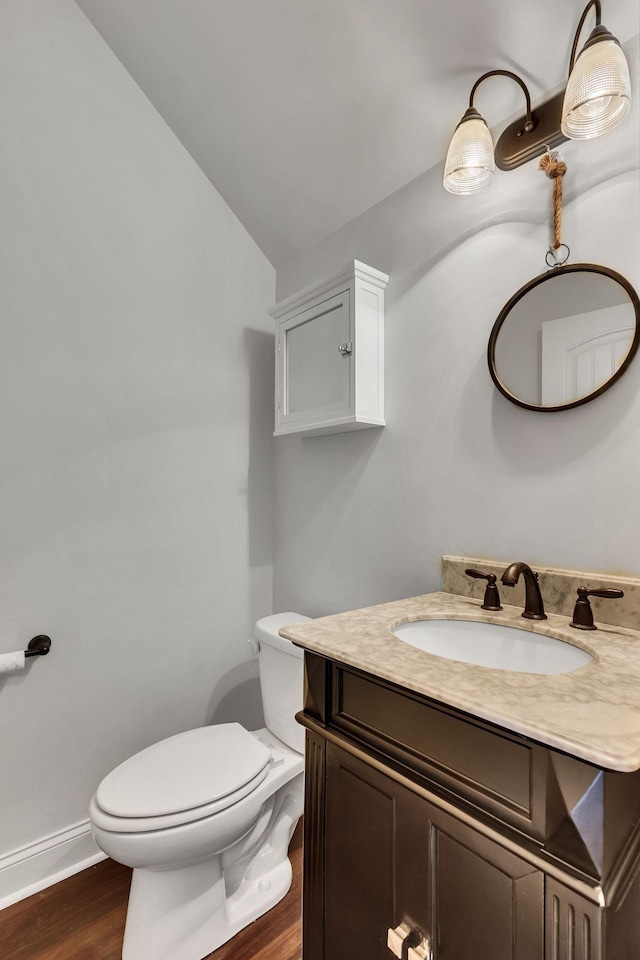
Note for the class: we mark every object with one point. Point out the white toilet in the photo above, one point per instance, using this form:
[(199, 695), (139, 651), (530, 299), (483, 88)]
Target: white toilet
[(205, 818)]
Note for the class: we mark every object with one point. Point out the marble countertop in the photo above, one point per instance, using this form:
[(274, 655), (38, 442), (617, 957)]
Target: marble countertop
[(592, 713)]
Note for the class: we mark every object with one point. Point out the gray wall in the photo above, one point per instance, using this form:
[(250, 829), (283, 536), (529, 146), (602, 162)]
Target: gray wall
[(365, 517), (135, 453)]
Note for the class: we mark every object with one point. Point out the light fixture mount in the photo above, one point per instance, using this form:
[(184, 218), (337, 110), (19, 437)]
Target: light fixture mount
[(517, 145)]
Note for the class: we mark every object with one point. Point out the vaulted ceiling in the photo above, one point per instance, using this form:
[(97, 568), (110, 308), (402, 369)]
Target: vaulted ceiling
[(305, 113)]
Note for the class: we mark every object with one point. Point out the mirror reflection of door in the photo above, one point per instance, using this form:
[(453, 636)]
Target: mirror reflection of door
[(583, 351)]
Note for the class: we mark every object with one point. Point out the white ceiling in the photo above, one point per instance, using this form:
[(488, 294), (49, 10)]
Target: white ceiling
[(305, 113)]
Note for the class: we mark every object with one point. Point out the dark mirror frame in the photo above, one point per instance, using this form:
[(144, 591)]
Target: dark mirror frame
[(522, 292)]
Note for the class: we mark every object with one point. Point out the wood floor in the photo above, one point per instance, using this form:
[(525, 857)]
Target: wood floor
[(82, 918)]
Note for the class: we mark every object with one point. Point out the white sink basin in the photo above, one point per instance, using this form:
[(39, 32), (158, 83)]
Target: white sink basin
[(493, 645)]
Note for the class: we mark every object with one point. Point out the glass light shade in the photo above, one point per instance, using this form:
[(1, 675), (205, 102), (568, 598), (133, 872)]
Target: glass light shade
[(598, 94), (469, 165)]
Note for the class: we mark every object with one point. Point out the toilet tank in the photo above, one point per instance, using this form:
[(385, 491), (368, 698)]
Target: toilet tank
[(281, 673)]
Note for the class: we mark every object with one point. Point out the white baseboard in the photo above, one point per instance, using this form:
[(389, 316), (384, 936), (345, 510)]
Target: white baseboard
[(39, 865)]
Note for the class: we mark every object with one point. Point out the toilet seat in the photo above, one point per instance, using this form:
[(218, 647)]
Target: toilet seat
[(107, 821), (181, 779)]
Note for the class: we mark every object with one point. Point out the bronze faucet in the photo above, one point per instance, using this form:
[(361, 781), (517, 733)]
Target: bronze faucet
[(533, 605)]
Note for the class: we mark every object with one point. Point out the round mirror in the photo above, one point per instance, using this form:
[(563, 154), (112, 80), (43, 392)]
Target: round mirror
[(564, 337)]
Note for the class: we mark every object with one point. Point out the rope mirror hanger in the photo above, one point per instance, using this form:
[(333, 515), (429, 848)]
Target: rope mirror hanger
[(555, 169)]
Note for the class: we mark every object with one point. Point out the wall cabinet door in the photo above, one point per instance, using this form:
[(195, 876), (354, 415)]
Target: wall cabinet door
[(391, 857), (315, 375)]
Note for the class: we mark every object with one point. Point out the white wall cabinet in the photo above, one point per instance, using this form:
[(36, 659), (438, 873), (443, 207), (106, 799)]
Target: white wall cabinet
[(330, 354)]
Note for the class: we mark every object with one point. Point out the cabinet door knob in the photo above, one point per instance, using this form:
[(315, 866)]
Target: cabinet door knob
[(345, 349), (396, 937), (421, 951)]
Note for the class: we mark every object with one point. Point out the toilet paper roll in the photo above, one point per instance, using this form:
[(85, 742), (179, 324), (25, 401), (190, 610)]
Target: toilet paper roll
[(10, 662)]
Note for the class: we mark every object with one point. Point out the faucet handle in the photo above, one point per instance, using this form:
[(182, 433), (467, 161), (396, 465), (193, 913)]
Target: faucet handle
[(491, 596), (583, 614)]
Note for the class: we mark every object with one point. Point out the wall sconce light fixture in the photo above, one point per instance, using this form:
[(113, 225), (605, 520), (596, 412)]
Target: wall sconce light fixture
[(596, 99)]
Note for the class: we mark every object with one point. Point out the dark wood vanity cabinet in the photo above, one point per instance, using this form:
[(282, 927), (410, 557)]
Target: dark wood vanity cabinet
[(485, 845)]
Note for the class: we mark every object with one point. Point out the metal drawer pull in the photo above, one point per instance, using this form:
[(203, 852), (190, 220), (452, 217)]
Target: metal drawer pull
[(422, 951), (396, 938), (346, 349)]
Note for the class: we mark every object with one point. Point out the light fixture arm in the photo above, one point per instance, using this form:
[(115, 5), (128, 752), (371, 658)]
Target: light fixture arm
[(529, 124), (574, 49)]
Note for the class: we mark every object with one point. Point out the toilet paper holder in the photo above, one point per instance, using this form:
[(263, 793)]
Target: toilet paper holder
[(38, 646)]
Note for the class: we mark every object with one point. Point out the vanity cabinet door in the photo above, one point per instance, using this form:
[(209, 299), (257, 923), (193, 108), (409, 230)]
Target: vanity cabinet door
[(487, 902), (376, 859), (391, 857)]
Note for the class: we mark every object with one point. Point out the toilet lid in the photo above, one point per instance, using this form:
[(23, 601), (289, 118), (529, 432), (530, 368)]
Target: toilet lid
[(182, 772)]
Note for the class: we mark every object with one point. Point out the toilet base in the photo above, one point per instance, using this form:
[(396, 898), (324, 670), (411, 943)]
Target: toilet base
[(172, 917), (188, 912)]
